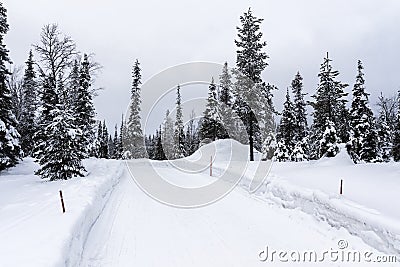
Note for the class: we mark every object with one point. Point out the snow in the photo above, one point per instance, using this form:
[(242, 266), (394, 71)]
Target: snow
[(110, 221), (33, 229)]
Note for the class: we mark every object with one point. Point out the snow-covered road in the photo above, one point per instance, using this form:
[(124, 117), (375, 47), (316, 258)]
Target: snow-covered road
[(136, 230)]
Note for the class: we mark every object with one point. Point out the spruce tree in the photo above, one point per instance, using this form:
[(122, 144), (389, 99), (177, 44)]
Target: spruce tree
[(328, 144), (192, 136), (363, 145), (250, 61), (10, 150), (158, 147), (211, 126), (59, 152), (28, 124), (287, 125), (300, 112), (179, 136), (84, 108), (226, 104), (116, 152), (134, 136), (282, 152), (168, 136), (104, 152), (49, 100), (329, 105), (396, 137)]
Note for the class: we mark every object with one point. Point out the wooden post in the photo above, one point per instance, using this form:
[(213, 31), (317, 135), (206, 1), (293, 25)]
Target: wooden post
[(211, 159), (62, 202), (341, 186)]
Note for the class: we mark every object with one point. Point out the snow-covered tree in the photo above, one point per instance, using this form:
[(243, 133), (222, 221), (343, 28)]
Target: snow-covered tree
[(134, 138), (269, 146), (287, 125), (61, 157), (225, 103), (211, 126), (301, 150), (250, 61), (158, 147), (396, 136), (10, 150), (168, 136), (282, 152), (363, 145), (328, 144), (329, 105), (191, 136), (179, 136), (27, 122), (299, 108), (84, 107)]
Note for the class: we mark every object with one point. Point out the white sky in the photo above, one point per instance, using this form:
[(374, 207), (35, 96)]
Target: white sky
[(165, 33)]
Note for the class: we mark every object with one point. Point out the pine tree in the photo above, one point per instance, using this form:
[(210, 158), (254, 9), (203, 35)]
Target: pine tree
[(58, 151), (396, 137), (329, 105), (168, 136), (225, 105), (328, 145), (158, 147), (84, 108), (104, 153), (363, 145), (10, 150), (28, 124), (116, 152), (121, 140), (192, 136), (49, 100), (300, 112), (211, 126), (282, 152), (287, 125), (179, 136), (251, 61), (134, 136)]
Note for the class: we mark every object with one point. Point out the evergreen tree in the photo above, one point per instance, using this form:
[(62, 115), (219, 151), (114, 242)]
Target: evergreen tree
[(158, 147), (282, 152), (104, 141), (49, 100), (396, 137), (134, 136), (59, 153), (84, 108), (328, 144), (225, 105), (10, 150), (61, 159), (192, 136), (300, 113), (28, 124), (363, 145), (251, 61), (116, 152), (121, 140), (179, 136), (211, 126), (287, 126), (168, 136), (329, 105)]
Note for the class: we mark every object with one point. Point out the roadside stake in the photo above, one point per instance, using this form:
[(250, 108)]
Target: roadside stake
[(62, 202)]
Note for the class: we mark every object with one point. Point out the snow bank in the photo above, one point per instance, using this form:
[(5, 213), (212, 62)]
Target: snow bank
[(367, 210), (33, 229)]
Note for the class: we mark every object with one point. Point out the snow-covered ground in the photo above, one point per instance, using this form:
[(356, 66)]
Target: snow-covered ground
[(110, 221), (33, 229)]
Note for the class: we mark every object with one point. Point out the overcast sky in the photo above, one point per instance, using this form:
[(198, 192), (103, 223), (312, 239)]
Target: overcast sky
[(162, 34)]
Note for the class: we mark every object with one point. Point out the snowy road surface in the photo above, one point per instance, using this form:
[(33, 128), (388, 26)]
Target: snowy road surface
[(136, 230)]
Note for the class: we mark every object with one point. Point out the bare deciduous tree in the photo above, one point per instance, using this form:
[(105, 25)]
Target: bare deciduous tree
[(56, 52)]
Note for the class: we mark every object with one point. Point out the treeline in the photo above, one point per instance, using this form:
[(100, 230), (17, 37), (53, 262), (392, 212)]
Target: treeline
[(47, 112)]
